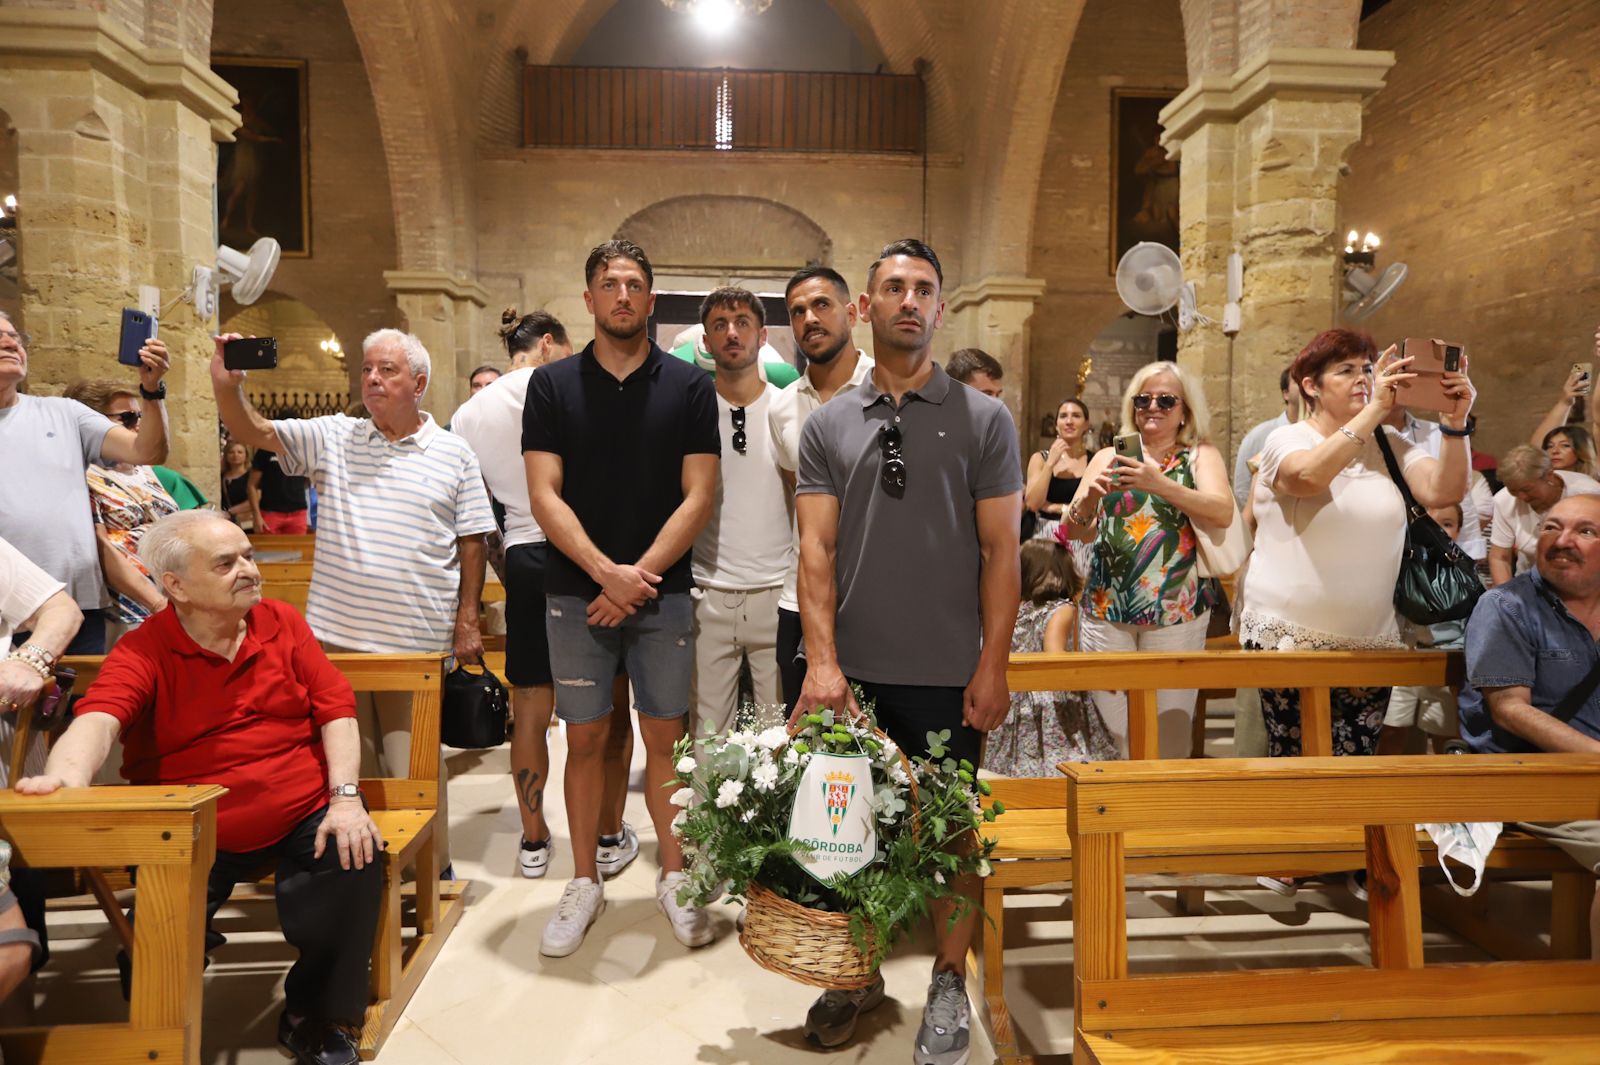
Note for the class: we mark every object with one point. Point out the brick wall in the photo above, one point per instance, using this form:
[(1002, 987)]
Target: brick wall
[(1134, 46), (352, 220), (1476, 166)]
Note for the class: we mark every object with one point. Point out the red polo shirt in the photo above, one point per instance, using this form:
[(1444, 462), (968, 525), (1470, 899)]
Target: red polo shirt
[(252, 725)]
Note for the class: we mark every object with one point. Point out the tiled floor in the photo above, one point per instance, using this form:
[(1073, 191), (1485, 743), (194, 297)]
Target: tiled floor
[(633, 994)]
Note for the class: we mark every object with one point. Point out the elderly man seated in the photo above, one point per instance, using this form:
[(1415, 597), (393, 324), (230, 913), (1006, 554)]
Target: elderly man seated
[(226, 688), (1533, 667)]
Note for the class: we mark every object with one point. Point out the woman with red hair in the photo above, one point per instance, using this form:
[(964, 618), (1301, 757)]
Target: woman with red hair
[(1332, 525)]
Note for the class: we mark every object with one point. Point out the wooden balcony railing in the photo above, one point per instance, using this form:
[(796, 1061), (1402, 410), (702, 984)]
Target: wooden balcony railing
[(647, 108)]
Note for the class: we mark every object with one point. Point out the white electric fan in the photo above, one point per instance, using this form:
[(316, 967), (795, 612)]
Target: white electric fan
[(246, 273), (1364, 294), (1150, 281)]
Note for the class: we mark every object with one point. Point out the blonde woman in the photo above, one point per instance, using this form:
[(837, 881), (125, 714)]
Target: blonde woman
[(1570, 448), (1144, 591)]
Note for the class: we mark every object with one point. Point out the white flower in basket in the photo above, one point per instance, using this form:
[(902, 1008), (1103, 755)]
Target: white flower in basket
[(835, 842)]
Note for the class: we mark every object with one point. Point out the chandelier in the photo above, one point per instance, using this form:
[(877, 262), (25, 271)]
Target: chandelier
[(712, 10)]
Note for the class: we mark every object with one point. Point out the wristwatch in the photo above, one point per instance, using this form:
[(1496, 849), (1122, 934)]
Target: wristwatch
[(159, 393), (345, 791)]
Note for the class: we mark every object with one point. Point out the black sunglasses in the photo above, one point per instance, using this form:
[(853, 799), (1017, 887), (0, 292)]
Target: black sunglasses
[(128, 418), (894, 465), (1143, 400), (740, 441)]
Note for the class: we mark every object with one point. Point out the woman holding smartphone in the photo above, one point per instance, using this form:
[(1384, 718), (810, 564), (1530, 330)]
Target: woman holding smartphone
[(1137, 504), (1331, 525)]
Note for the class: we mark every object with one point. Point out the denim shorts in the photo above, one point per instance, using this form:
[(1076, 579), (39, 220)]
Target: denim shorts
[(655, 645)]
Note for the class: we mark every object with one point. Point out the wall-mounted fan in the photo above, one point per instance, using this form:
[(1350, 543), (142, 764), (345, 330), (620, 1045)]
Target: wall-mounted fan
[(246, 273), (1150, 281), (1364, 293)]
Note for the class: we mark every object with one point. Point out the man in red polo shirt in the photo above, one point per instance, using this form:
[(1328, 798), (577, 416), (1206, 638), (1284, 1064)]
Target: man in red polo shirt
[(226, 688)]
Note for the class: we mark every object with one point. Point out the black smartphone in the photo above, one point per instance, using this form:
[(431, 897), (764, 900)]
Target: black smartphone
[(138, 329), (250, 353), (1129, 446), (1452, 358)]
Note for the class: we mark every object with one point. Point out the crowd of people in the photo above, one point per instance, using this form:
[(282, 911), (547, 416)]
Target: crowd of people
[(686, 534)]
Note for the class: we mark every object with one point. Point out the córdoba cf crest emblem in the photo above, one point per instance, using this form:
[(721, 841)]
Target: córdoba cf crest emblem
[(838, 787)]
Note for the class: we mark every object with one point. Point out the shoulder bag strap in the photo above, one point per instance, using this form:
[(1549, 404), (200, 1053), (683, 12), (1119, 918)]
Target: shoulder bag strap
[(1394, 472)]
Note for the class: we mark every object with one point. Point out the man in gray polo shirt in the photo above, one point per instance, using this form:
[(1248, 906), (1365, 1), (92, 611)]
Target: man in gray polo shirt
[(909, 500)]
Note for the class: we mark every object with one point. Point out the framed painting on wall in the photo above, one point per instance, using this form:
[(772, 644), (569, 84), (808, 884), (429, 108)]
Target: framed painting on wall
[(264, 176), (1144, 182)]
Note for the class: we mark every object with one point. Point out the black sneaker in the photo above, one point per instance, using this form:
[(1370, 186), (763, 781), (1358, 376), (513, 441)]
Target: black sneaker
[(831, 1021), (314, 1042)]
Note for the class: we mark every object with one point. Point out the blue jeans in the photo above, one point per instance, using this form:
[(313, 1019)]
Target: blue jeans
[(654, 645)]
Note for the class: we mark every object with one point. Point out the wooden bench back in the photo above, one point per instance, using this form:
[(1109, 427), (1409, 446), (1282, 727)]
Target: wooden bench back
[(1387, 797), (305, 543), (1314, 673), (421, 675)]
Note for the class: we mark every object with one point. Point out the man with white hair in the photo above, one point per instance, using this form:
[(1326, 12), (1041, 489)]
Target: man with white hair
[(224, 687), (399, 561)]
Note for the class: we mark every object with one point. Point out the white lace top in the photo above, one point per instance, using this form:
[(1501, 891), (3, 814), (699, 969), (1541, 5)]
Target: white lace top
[(1323, 573)]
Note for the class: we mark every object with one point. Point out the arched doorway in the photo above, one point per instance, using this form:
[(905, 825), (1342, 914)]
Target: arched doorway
[(311, 378)]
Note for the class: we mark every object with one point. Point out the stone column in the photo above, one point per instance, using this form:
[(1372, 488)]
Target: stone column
[(443, 310), (992, 313), (1262, 151), (117, 160)]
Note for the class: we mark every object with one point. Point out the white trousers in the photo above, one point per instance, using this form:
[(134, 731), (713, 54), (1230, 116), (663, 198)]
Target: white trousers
[(1174, 709), (730, 628)]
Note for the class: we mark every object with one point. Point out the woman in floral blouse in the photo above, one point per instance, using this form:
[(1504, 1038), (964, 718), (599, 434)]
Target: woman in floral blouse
[(1144, 592), (126, 500)]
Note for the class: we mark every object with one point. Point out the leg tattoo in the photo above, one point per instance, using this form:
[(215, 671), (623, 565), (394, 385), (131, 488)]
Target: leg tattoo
[(530, 791)]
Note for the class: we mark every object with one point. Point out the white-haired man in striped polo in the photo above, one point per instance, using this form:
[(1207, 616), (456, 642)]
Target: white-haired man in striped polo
[(400, 533)]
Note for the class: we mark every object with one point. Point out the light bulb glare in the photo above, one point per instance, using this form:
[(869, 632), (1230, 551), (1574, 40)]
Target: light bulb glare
[(714, 16), (1352, 237), (1370, 241)]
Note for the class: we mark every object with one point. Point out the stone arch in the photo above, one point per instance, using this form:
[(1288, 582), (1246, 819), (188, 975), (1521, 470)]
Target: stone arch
[(303, 367), (686, 235)]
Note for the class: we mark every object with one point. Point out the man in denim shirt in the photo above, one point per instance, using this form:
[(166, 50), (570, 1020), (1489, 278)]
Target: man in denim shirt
[(1529, 643)]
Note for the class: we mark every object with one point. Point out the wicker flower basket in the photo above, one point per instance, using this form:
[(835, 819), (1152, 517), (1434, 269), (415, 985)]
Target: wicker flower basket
[(811, 946)]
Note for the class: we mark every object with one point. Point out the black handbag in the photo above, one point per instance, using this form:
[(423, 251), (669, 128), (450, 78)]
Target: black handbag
[(475, 708), (1437, 581)]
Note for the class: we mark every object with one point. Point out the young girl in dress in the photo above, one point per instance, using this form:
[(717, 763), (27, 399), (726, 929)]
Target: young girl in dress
[(1045, 728)]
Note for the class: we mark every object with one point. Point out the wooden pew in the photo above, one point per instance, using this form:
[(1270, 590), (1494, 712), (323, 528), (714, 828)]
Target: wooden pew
[(291, 582), (1033, 850), (1397, 1010), (404, 809), (170, 835), (305, 543)]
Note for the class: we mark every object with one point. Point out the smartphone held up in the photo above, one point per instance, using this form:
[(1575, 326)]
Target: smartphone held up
[(138, 329), (250, 353)]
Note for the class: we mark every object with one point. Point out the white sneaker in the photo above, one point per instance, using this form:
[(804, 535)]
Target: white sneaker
[(533, 859), (582, 902), (614, 858), (689, 923)]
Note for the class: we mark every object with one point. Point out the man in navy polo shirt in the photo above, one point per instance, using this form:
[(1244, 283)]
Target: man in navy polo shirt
[(622, 449), (910, 499)]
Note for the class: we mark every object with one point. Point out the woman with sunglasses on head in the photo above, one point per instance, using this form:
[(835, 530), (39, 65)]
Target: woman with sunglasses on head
[(1144, 591), (236, 496), (1054, 474), (126, 500)]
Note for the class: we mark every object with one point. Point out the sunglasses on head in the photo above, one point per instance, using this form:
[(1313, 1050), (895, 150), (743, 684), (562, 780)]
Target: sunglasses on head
[(1142, 401), (894, 464), (128, 418), (740, 441)]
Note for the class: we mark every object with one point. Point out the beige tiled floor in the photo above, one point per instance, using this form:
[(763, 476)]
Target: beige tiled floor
[(633, 994)]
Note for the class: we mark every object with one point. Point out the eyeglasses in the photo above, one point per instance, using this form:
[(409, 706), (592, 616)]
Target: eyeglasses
[(894, 465), (1166, 401), (128, 418), (23, 339), (740, 441)]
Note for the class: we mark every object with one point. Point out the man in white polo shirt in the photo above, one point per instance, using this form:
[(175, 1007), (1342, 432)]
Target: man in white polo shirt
[(822, 315), (491, 422), (400, 550), (746, 550)]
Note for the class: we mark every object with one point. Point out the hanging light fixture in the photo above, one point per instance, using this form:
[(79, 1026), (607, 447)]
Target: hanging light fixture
[(714, 14)]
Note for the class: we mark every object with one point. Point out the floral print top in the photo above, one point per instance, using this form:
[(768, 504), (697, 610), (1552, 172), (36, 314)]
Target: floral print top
[(127, 500), (1143, 571)]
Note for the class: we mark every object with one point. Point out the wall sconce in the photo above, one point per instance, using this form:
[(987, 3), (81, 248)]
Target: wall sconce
[(331, 347), (1364, 255)]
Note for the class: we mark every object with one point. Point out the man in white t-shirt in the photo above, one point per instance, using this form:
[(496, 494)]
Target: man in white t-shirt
[(822, 316), (743, 554), (1532, 487), (491, 422), (1256, 438)]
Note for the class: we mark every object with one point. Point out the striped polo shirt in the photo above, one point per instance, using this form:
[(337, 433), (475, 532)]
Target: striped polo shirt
[(386, 574)]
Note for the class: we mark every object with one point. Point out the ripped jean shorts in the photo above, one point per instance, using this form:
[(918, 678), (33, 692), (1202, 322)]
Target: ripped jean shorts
[(655, 646)]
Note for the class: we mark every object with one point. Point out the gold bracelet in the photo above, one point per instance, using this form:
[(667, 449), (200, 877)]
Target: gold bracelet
[(1348, 432)]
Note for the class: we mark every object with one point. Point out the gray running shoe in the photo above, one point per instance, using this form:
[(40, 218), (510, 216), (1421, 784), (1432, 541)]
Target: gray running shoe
[(944, 1037), (831, 1020)]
